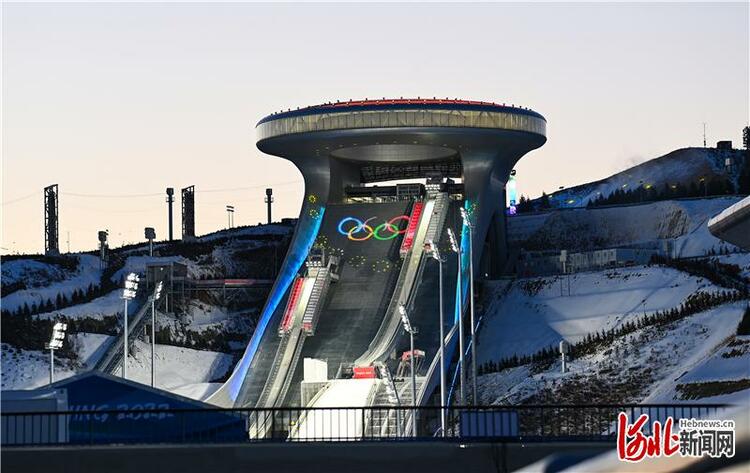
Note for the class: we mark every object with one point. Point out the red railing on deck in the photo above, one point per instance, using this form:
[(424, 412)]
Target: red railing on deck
[(411, 228), (291, 304)]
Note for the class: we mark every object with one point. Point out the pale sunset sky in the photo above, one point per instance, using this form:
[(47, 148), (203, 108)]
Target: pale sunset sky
[(116, 101)]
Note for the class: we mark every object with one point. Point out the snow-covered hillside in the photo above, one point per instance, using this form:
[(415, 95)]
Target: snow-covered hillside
[(681, 223), (178, 369), (660, 363), (681, 166), (44, 281), (648, 366), (534, 315), (108, 305), (201, 336)]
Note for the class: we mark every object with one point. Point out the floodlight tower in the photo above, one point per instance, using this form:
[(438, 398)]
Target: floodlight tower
[(150, 235), (437, 257), (51, 221), (157, 295), (102, 249), (128, 293), (170, 202), (188, 213), (56, 342), (269, 201), (230, 216), (408, 328)]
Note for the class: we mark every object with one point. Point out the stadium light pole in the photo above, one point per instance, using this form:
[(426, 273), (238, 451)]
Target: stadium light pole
[(411, 331), (467, 221), (459, 301), (150, 235), (230, 216), (157, 295), (128, 293), (55, 343), (437, 257)]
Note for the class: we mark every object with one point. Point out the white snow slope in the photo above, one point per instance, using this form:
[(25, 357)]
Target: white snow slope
[(681, 221), (646, 366), (182, 370), (49, 280), (533, 315)]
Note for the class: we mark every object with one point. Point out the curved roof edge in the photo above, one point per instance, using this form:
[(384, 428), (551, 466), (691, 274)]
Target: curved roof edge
[(733, 224), (401, 104)]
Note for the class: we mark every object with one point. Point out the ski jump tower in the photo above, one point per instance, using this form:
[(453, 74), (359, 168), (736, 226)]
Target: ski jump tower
[(337, 146)]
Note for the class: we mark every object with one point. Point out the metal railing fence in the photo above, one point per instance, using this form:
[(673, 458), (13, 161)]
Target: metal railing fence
[(523, 423)]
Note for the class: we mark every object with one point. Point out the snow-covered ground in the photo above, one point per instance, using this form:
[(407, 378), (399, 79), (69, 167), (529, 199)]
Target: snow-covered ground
[(26, 369), (182, 370), (107, 305), (90, 347), (31, 272), (185, 371), (645, 366), (682, 223), (201, 316), (177, 366), (199, 391), (740, 259), (728, 363), (534, 315), (45, 281)]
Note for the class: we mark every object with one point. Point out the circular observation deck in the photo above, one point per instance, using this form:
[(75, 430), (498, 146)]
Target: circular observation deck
[(400, 130)]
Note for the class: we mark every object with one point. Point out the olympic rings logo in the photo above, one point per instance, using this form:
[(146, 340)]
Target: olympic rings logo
[(357, 230)]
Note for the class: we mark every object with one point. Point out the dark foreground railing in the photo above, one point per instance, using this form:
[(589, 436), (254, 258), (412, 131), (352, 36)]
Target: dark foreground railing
[(465, 424)]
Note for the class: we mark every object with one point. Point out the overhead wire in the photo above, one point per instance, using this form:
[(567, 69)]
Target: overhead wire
[(19, 199), (197, 191)]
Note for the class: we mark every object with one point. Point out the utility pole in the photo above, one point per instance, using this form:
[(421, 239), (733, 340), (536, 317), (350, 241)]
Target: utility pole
[(128, 293), (170, 202), (436, 256), (56, 342)]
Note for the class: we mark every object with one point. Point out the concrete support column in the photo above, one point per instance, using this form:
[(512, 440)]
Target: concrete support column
[(484, 187)]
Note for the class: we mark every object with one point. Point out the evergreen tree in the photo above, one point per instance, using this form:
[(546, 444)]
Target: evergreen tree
[(544, 201)]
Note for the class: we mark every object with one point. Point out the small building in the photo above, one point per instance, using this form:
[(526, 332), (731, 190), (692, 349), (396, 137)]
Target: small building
[(725, 145)]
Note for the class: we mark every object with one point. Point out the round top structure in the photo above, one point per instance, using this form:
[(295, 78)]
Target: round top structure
[(399, 113), (402, 131)]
